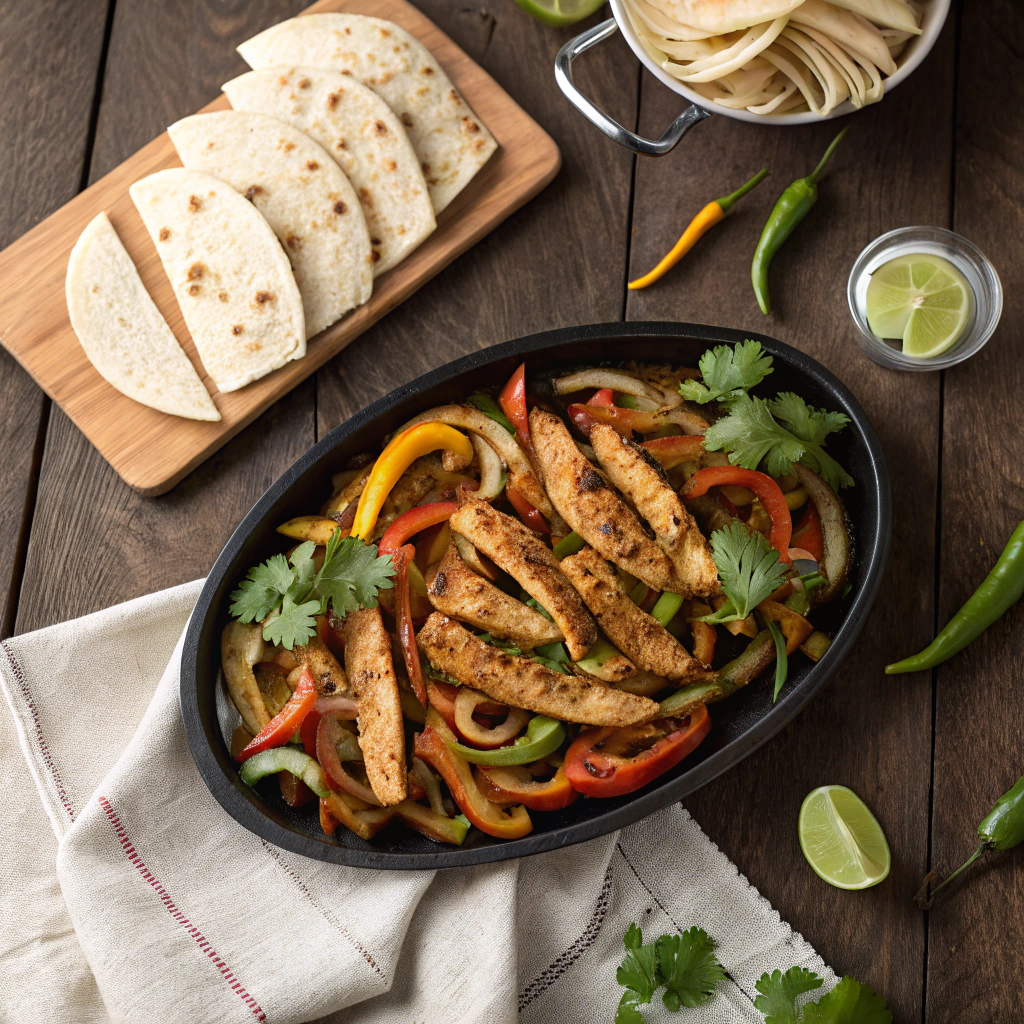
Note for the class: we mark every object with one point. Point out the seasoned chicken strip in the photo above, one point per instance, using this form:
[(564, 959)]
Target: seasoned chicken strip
[(637, 474), (328, 674), (454, 589), (529, 560), (372, 674), (640, 636), (522, 683), (593, 509)]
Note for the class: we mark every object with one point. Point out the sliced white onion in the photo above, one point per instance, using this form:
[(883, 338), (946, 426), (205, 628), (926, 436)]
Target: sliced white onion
[(467, 702), (617, 380), (429, 782), (492, 472)]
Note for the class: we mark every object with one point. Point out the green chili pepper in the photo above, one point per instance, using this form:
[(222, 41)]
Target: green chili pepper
[(1002, 588), (543, 736), (1002, 829), (793, 205)]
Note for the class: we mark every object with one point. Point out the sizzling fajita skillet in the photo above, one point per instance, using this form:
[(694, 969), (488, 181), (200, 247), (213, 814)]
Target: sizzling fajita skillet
[(741, 723)]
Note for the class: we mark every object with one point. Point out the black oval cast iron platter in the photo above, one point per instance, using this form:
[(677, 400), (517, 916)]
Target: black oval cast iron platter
[(740, 724)]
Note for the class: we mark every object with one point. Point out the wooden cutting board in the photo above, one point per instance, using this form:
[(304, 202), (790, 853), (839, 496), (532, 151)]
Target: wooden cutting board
[(151, 450)]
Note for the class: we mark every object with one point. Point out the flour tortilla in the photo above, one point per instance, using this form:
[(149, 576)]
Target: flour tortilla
[(229, 273), (721, 16), (122, 331), (360, 131), (303, 195), (449, 139)]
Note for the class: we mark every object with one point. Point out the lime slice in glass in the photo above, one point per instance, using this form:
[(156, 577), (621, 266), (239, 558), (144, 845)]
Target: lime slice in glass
[(842, 840), (922, 299), (560, 12)]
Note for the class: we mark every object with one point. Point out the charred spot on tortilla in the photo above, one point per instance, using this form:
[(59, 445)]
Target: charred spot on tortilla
[(165, 233), (312, 165), (195, 271), (195, 204), (263, 297), (304, 83), (193, 289), (340, 207), (253, 191), (237, 329), (407, 119), (223, 296)]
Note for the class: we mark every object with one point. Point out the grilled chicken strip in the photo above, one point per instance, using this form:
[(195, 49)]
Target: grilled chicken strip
[(529, 560), (372, 675), (454, 589), (637, 474), (640, 636), (522, 683), (328, 674), (594, 510)]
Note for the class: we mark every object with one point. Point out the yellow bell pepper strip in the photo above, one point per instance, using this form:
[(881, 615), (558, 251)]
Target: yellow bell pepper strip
[(396, 458), (705, 220)]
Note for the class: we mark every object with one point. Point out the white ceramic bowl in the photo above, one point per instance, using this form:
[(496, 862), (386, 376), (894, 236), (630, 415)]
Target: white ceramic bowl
[(917, 49)]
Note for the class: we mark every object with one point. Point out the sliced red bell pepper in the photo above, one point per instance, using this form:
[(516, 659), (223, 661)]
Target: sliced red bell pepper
[(432, 746), (604, 398), (807, 533), (611, 762), (328, 733), (282, 727), (772, 498), (515, 785), (412, 522), (513, 404), (442, 696), (529, 515), (404, 620), (625, 421), (671, 451)]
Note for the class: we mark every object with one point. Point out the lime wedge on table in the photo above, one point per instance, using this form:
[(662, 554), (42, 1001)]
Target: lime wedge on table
[(560, 12), (842, 840), (922, 299)]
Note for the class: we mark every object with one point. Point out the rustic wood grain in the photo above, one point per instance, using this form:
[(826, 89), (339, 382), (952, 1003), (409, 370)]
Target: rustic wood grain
[(976, 936), (866, 732), (149, 449), (559, 261), (48, 68)]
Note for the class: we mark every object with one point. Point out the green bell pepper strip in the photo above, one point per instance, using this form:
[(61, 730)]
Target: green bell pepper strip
[(568, 546), (285, 759), (489, 407), (543, 736), (1002, 829), (665, 607), (1002, 588), (793, 205), (597, 656)]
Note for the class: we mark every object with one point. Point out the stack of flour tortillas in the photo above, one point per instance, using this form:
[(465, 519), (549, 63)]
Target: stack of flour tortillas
[(345, 141)]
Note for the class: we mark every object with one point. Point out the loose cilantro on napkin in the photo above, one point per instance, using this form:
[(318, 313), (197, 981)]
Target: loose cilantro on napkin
[(751, 435), (728, 373), (849, 1002), (749, 569), (289, 592), (685, 964)]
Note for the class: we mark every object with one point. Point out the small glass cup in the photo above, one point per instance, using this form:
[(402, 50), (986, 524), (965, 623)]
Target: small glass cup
[(965, 256)]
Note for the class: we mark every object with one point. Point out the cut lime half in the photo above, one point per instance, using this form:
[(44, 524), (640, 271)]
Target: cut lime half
[(923, 300), (560, 12), (842, 840)]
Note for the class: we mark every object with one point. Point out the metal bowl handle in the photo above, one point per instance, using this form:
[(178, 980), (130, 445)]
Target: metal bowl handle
[(597, 117)]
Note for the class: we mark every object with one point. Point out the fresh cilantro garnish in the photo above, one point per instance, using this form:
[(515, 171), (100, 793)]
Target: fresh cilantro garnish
[(749, 569), (289, 593), (849, 1002), (441, 677), (781, 659), (532, 602), (728, 373), (684, 964), (808, 423), (489, 407), (751, 435)]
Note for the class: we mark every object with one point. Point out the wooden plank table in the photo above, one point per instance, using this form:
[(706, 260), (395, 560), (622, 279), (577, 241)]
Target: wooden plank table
[(86, 84)]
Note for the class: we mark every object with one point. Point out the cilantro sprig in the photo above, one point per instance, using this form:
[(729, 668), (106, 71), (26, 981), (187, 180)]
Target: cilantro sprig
[(287, 593), (728, 373), (849, 1002), (685, 964), (749, 569)]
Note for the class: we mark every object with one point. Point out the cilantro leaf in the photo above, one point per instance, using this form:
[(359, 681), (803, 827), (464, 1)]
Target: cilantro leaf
[(728, 373), (294, 624), (688, 968), (352, 575), (779, 992), (638, 972), (302, 560), (749, 569), (781, 660), (628, 1010), (261, 591), (849, 1002), (808, 423)]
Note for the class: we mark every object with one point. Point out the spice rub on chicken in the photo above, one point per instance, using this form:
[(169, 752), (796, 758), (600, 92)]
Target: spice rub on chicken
[(454, 589), (638, 635), (594, 510), (522, 683), (637, 474), (372, 676), (328, 674), (527, 559)]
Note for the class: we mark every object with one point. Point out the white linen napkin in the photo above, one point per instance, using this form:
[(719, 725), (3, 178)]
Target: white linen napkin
[(167, 910)]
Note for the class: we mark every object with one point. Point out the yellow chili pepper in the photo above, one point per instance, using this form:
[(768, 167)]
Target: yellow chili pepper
[(396, 458), (706, 219)]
